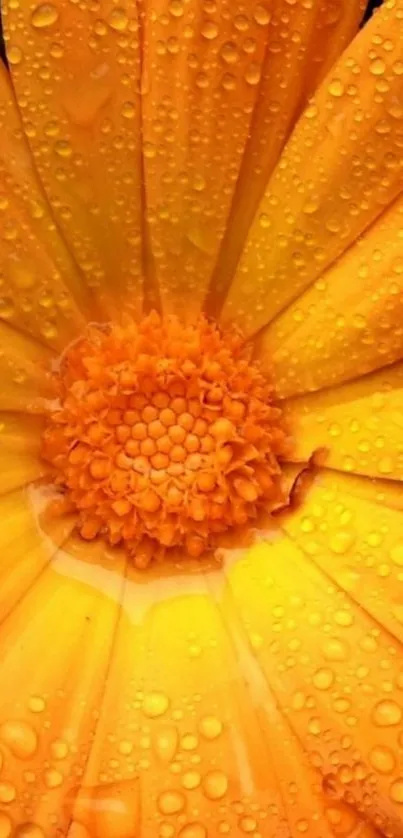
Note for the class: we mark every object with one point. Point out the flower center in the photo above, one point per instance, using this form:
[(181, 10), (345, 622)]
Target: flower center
[(163, 435)]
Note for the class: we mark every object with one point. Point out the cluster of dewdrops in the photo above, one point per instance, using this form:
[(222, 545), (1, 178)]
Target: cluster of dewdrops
[(164, 436)]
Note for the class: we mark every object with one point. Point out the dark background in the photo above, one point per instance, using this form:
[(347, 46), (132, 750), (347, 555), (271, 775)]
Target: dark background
[(372, 5)]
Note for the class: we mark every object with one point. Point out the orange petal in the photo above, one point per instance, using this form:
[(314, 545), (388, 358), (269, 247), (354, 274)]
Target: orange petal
[(349, 322), (224, 84), (23, 371), (41, 291), (341, 168), (76, 76), (54, 648), (20, 437), (360, 424), (336, 675)]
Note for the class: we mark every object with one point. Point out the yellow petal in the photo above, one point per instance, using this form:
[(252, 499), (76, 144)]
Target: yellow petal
[(223, 87), (178, 717), (41, 291), (24, 550), (54, 648), (354, 536), (349, 322), (335, 673), (23, 371), (360, 424), (341, 168), (76, 75)]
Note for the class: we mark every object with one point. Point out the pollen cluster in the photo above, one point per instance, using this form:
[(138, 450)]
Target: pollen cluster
[(163, 435)]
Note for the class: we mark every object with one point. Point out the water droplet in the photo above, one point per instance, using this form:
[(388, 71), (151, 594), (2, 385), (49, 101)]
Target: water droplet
[(109, 811), (209, 30), (118, 20), (192, 830), (341, 541), (189, 742), (386, 713), (247, 824), (215, 785), (129, 110), (44, 15), (166, 743), (191, 780), (14, 55), (155, 704), (396, 790), (171, 802), (377, 67), (210, 727), (7, 792), (253, 74), (382, 759), (63, 149), (323, 679), (36, 704), (6, 826), (336, 87), (175, 7), (261, 15), (53, 779), (229, 52), (20, 738), (59, 749), (335, 650)]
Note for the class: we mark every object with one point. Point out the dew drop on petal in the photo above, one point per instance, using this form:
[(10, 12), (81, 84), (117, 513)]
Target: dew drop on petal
[(323, 679), (171, 802), (7, 792), (166, 743), (210, 727), (193, 830), (396, 790), (20, 738), (336, 88), (215, 785), (382, 759), (44, 15), (386, 713), (14, 55), (155, 704)]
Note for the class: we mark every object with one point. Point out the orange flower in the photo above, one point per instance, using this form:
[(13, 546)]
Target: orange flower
[(173, 664)]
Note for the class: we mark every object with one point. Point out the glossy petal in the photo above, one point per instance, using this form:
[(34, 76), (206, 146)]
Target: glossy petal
[(207, 716), (352, 532), (326, 660), (349, 322), (20, 437), (359, 424), (223, 85), (341, 168), (40, 289), (48, 719), (25, 552), (23, 371), (76, 76)]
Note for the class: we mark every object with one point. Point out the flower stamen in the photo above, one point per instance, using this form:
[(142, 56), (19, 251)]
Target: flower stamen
[(164, 436)]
